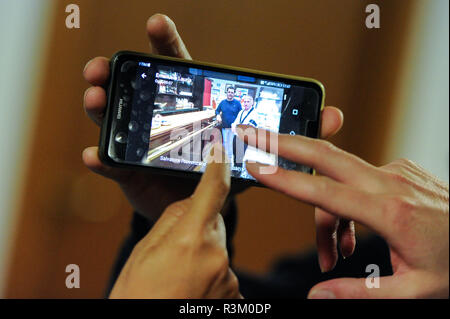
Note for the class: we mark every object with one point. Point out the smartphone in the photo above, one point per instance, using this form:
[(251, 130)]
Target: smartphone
[(164, 113)]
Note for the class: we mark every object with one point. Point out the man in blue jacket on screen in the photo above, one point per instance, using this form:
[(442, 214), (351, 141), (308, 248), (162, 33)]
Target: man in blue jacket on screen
[(228, 110)]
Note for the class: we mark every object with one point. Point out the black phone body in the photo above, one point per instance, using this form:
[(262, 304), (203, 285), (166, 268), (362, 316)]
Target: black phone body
[(162, 113)]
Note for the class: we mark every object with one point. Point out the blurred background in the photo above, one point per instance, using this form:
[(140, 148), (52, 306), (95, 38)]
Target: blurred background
[(392, 84)]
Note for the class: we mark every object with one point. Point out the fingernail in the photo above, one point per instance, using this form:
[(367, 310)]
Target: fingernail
[(216, 154), (324, 267), (87, 64), (84, 152), (347, 253), (320, 266), (321, 294), (85, 93), (153, 17)]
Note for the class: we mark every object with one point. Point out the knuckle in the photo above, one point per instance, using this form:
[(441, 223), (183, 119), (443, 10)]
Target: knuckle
[(325, 147), (322, 187), (140, 253), (222, 186), (400, 210), (177, 208), (399, 204), (137, 249), (404, 162), (186, 241), (397, 177)]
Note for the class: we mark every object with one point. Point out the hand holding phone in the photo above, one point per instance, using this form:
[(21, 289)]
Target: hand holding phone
[(149, 194), (190, 233)]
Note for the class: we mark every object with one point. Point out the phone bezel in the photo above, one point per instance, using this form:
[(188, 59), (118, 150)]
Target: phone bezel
[(110, 91)]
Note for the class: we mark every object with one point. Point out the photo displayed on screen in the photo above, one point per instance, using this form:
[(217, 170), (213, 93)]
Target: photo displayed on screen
[(192, 108)]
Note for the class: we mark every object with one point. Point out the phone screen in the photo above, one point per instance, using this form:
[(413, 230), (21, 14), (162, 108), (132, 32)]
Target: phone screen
[(166, 114)]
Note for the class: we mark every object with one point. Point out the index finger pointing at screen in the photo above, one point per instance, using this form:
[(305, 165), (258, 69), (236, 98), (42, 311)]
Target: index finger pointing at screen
[(319, 154), (337, 198)]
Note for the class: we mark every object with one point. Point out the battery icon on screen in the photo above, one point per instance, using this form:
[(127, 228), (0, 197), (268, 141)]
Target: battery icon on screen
[(144, 64)]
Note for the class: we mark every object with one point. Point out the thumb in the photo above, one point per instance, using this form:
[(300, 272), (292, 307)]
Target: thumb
[(212, 191), (164, 37), (359, 288), (168, 219)]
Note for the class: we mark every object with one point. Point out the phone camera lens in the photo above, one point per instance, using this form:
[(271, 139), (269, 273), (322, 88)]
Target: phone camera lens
[(144, 96), (127, 66), (140, 152), (136, 85), (145, 137), (133, 126), (121, 138)]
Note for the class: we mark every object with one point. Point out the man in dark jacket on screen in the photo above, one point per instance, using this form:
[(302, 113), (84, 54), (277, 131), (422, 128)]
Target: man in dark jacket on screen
[(228, 110)]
